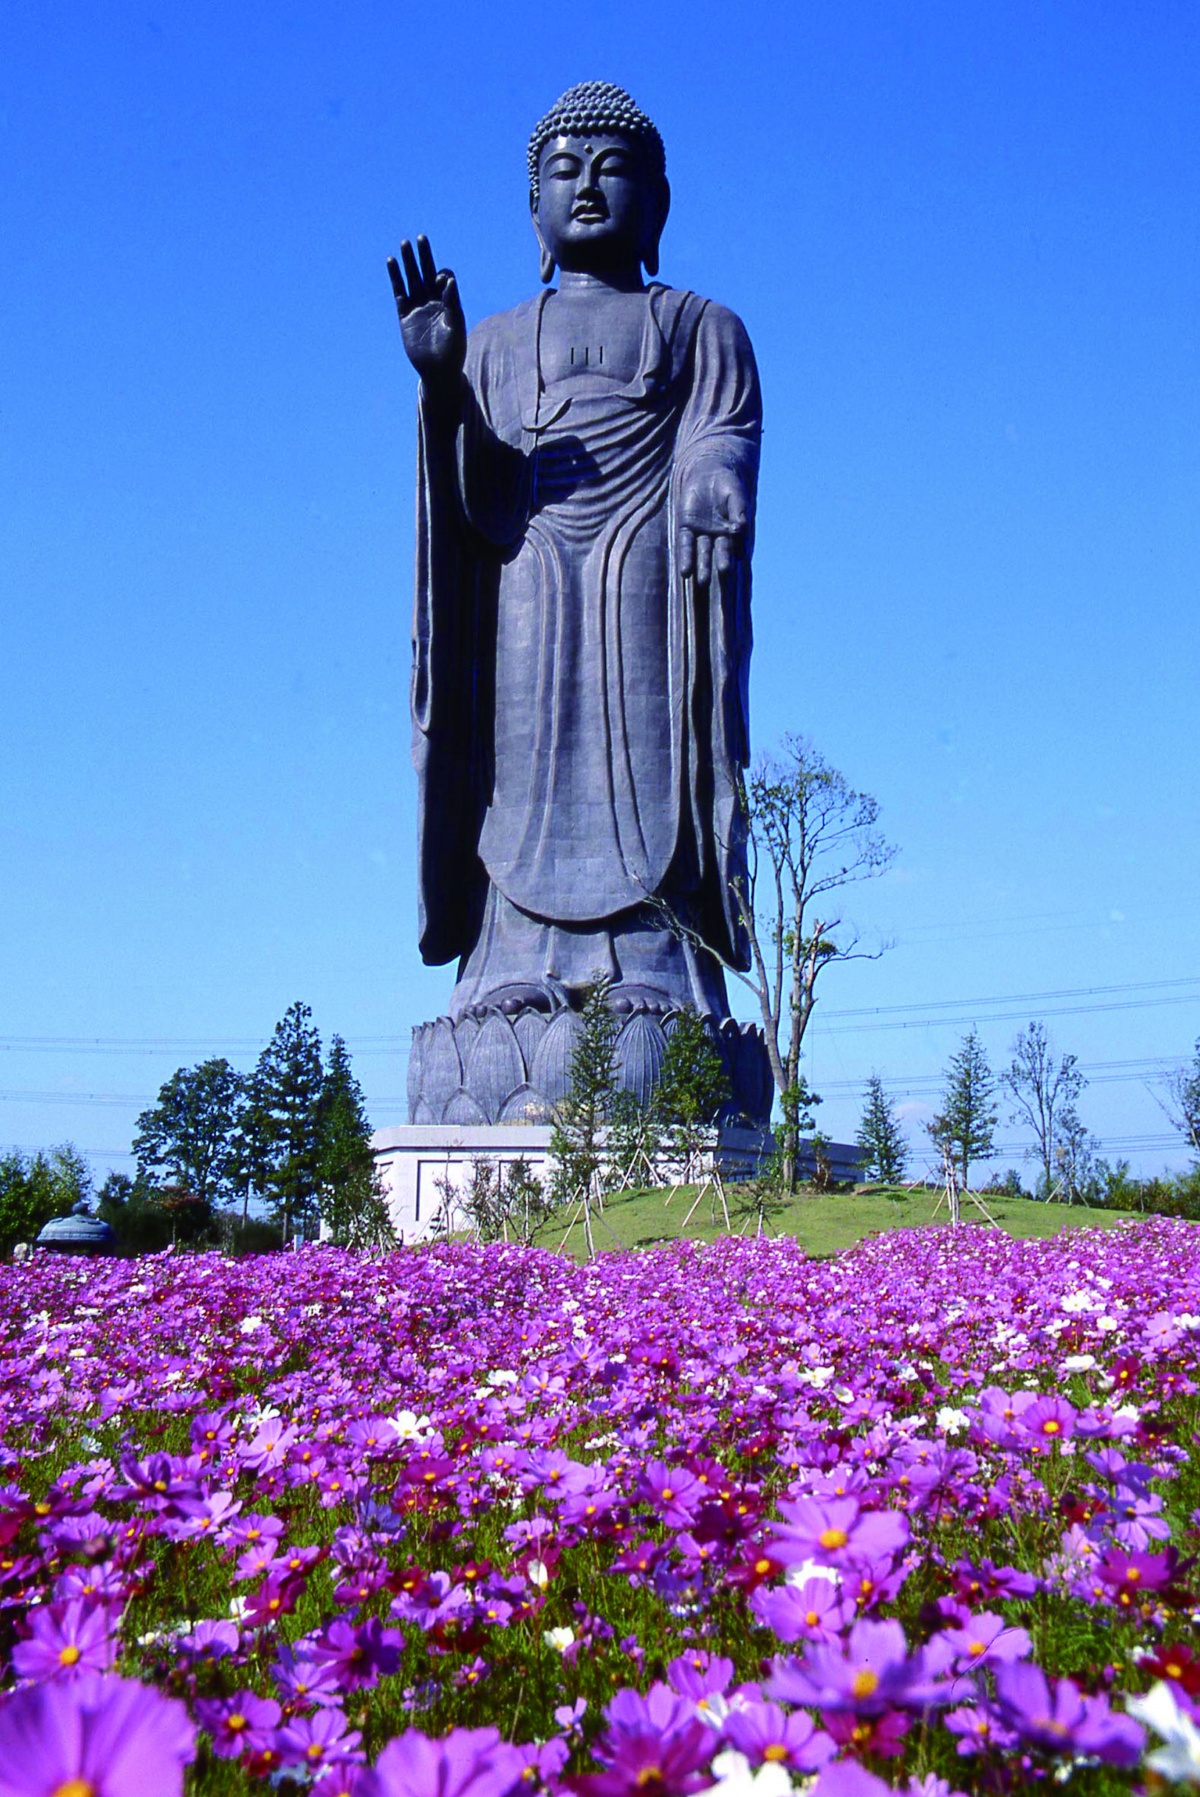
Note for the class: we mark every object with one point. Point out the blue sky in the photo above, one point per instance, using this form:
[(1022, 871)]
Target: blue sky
[(964, 241)]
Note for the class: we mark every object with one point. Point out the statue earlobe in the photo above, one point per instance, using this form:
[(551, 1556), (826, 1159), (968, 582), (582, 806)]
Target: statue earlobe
[(546, 262), (654, 234)]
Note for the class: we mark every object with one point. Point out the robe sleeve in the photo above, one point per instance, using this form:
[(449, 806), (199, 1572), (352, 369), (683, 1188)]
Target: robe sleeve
[(722, 422), (471, 502)]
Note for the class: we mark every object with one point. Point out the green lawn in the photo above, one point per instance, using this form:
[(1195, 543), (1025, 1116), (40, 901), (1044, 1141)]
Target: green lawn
[(824, 1225)]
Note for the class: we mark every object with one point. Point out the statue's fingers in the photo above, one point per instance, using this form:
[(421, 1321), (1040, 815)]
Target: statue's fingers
[(428, 265), (397, 280), (447, 288), (412, 272), (687, 552), (704, 551), (723, 553)]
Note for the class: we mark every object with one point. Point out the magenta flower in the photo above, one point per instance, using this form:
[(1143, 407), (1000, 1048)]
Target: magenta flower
[(67, 1640), (1064, 1721), (836, 1532), (110, 1737), (870, 1672), (698, 1675), (238, 1724), (654, 1741), (767, 1734), (468, 1762)]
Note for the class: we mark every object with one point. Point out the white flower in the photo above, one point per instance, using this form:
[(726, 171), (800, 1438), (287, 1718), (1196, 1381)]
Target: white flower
[(1106, 1325), (818, 1377), (1079, 1363), (1179, 1759), (249, 1325), (407, 1425), (558, 1639), (951, 1421), (736, 1778), (1076, 1301), (502, 1377)]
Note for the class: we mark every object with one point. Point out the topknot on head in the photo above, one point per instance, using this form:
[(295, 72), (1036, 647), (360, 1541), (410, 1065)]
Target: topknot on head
[(601, 108)]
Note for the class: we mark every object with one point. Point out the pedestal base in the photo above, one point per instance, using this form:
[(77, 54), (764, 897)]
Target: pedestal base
[(502, 1069)]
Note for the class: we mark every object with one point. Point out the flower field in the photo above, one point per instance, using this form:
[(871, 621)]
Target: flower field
[(471, 1521)]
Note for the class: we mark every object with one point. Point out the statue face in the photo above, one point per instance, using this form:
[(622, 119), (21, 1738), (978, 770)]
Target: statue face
[(597, 211)]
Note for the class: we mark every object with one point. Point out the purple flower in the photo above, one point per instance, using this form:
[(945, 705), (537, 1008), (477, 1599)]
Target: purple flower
[(868, 1673), (982, 1640), (239, 1723), (67, 1640), (836, 1532), (653, 1742), (1048, 1419), (111, 1737), (766, 1735), (359, 1656), (673, 1492), (468, 1762), (813, 1611), (1064, 1721), (323, 1739), (301, 1679)]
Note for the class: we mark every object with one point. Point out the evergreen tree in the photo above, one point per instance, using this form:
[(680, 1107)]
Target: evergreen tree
[(966, 1123), (880, 1138), (353, 1206), (188, 1134), (284, 1121), (575, 1146)]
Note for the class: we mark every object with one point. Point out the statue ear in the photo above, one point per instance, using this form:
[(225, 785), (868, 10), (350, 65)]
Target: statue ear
[(658, 209), (547, 263)]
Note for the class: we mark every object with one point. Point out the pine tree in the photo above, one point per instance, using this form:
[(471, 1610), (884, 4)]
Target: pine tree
[(880, 1137), (575, 1146), (966, 1123), (353, 1206), (284, 1122)]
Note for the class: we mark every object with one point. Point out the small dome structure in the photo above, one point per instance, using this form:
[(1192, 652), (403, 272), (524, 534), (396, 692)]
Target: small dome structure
[(77, 1234)]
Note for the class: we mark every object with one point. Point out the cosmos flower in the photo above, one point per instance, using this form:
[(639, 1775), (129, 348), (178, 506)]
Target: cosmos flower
[(108, 1737)]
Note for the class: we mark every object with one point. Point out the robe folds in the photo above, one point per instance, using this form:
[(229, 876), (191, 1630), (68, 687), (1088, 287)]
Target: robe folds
[(579, 707)]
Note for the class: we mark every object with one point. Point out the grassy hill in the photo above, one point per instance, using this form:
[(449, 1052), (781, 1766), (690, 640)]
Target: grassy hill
[(823, 1224)]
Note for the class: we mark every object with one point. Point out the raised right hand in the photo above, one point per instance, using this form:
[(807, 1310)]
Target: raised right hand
[(431, 315)]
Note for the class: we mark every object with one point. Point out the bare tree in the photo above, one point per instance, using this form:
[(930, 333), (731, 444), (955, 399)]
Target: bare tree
[(1183, 1106), (1043, 1091), (809, 835)]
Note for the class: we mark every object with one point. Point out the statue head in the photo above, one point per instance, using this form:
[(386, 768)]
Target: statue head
[(597, 183)]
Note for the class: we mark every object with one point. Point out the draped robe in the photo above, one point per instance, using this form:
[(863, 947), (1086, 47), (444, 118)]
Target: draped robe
[(579, 707)]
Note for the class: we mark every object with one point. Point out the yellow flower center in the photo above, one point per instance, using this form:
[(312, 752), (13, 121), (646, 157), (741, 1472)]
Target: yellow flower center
[(649, 1775), (74, 1787), (69, 1655), (667, 1494), (236, 1722), (776, 1751), (1050, 1427), (831, 1538), (976, 1648), (812, 1618), (866, 1683)]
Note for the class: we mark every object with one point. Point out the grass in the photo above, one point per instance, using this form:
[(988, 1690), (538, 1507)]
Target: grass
[(823, 1224)]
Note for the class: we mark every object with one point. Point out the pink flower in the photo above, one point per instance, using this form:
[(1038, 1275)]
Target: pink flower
[(468, 1762)]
